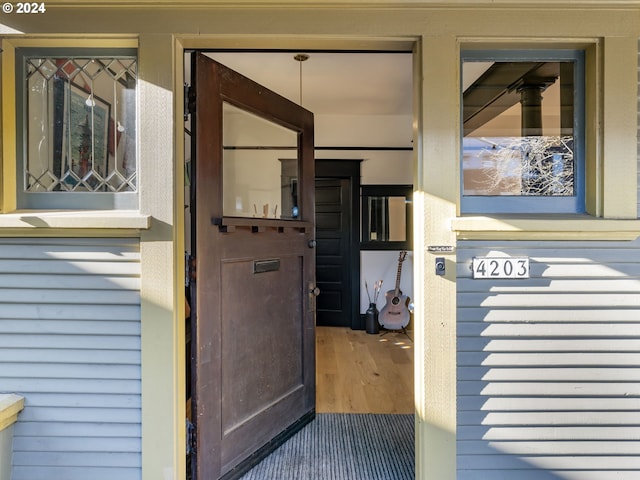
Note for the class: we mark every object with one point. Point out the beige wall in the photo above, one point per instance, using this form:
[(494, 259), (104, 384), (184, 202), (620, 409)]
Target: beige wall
[(609, 29)]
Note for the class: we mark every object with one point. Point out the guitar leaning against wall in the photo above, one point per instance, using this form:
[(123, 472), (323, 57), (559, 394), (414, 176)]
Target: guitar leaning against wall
[(395, 314)]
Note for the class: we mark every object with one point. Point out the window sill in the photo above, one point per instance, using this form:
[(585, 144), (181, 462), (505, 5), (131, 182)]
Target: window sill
[(543, 227), (76, 219), (10, 406)]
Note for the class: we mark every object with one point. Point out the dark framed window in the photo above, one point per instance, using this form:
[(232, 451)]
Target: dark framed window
[(386, 217), (522, 131)]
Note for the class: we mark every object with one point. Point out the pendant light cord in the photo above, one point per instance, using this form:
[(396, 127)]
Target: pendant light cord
[(301, 57)]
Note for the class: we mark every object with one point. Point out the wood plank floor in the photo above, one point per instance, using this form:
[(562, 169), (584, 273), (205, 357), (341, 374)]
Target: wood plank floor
[(357, 372)]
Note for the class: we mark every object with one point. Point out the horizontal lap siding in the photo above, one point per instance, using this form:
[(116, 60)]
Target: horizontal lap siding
[(70, 344), (549, 367)]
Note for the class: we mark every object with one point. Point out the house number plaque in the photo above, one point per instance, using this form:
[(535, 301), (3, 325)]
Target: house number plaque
[(500, 267)]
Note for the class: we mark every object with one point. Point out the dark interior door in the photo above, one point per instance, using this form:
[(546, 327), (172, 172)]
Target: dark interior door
[(253, 321), (338, 237), (333, 256)]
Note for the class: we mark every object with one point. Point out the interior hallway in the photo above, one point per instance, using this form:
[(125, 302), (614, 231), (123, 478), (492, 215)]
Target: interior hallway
[(357, 372)]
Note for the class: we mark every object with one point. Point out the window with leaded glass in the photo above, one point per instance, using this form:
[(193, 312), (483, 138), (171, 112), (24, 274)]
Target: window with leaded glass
[(78, 128)]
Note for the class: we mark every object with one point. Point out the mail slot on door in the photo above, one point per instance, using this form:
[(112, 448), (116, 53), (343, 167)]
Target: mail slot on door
[(262, 266)]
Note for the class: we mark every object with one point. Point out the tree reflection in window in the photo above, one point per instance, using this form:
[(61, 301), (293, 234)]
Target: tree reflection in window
[(519, 120), (535, 165)]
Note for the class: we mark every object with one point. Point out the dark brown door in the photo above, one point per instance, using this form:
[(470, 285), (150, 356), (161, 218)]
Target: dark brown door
[(333, 255), (253, 334)]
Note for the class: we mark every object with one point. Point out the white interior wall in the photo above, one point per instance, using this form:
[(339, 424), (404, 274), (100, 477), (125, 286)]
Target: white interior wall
[(383, 265), (392, 167)]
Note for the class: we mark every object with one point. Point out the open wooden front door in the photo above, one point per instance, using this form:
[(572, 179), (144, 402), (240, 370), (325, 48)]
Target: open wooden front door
[(253, 322)]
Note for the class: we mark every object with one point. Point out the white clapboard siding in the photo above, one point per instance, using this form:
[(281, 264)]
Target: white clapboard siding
[(70, 344), (548, 377)]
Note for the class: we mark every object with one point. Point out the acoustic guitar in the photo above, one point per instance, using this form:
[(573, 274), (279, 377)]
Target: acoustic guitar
[(395, 314)]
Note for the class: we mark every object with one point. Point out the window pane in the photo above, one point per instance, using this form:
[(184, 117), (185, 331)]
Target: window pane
[(260, 167), (81, 124), (387, 220), (518, 124)]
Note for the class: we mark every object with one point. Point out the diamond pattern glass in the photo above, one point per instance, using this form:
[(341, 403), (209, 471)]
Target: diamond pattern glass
[(81, 124)]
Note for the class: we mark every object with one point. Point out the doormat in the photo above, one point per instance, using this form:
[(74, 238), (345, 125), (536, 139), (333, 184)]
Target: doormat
[(344, 447)]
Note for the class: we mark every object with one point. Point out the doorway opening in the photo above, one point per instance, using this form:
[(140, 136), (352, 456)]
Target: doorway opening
[(363, 115)]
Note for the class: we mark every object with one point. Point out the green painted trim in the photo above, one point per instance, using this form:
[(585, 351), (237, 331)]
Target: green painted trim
[(536, 227), (620, 127), (611, 4), (101, 219)]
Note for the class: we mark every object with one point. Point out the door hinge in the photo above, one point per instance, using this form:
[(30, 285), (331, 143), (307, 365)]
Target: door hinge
[(189, 269), (189, 101), (191, 438)]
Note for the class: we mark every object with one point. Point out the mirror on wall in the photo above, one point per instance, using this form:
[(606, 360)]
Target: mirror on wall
[(386, 217)]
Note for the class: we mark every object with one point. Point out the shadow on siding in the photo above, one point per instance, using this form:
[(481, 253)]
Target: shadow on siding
[(548, 367)]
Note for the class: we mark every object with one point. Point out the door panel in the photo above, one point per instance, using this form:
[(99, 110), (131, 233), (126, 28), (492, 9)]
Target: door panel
[(333, 224), (282, 373), (253, 334)]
